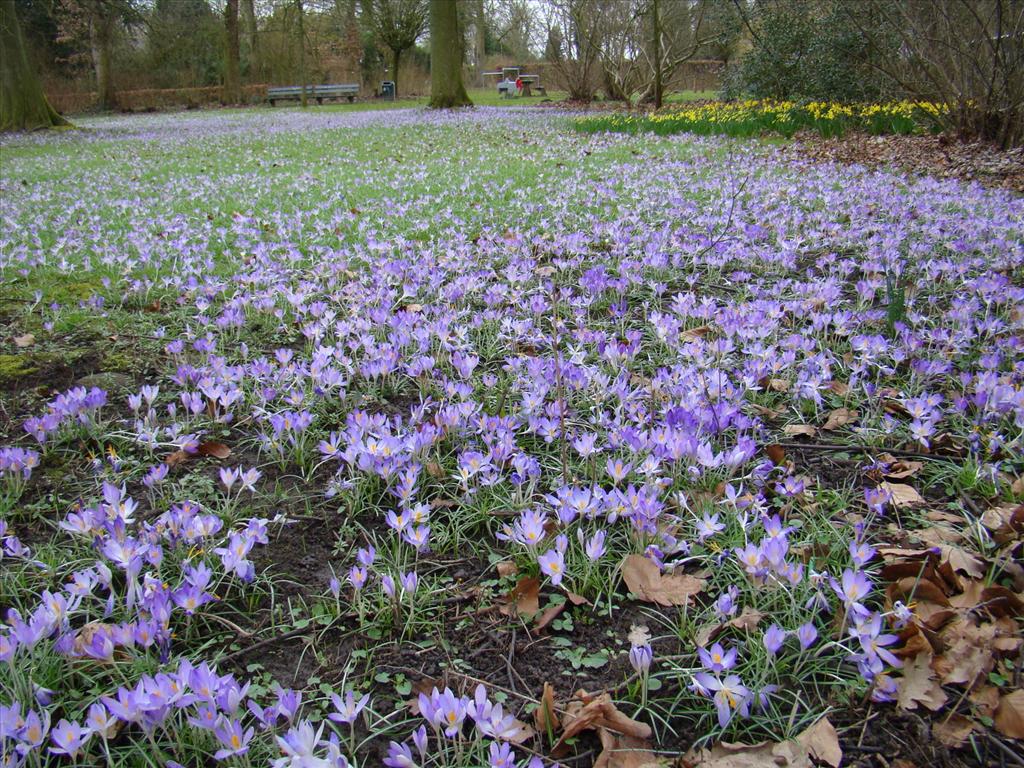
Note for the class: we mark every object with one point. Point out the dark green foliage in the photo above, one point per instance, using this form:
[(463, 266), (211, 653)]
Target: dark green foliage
[(804, 49)]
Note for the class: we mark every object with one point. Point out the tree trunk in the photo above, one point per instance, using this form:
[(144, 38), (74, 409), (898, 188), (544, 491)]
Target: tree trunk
[(446, 88), (480, 43), (251, 46), (101, 39), (659, 90), (396, 58), (23, 106), (232, 77), (302, 55)]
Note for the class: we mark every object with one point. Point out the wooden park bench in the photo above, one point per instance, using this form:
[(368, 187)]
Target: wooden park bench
[(319, 92)]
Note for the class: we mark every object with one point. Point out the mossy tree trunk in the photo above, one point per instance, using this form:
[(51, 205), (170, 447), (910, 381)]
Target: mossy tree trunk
[(446, 88), (232, 75), (23, 105)]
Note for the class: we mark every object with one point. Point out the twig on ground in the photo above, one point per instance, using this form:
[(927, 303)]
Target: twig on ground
[(262, 643)]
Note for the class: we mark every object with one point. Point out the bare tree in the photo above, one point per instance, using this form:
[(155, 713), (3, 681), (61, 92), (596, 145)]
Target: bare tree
[(575, 31), (397, 24), (643, 43), (966, 53)]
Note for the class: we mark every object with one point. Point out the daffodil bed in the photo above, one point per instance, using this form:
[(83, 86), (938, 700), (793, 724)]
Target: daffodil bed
[(766, 117), (423, 439)]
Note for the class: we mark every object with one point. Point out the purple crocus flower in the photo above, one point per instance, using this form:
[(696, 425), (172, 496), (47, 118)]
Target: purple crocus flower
[(347, 709), (399, 756), (552, 564), (68, 738), (235, 740), (806, 634), (773, 639)]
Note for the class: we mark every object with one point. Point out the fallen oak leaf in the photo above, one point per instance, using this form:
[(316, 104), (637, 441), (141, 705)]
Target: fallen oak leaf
[(822, 743), (695, 333), (550, 613), (1009, 717), (776, 453), (919, 685), (645, 580), (214, 449), (177, 458), (524, 599), (25, 340), (794, 430), (840, 417), (748, 619), (901, 495), (592, 712), (785, 754), (624, 752), (953, 731)]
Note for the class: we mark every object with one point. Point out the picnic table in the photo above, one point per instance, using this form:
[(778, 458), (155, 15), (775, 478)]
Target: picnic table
[(507, 82), (319, 92)]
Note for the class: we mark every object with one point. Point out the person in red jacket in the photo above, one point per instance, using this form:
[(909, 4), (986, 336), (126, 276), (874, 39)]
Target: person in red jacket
[(519, 86)]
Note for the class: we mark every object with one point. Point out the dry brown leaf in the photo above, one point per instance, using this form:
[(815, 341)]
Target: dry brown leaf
[(794, 430), (576, 599), (903, 496), (624, 752), (900, 469), (524, 734), (985, 699), (507, 568), (786, 754), (550, 614), (214, 449), (545, 717), (177, 458), (586, 713), (778, 385), (1009, 717), (953, 731), (525, 598), (1006, 522), (822, 743), (840, 388), (967, 657), (434, 469), (1017, 488), (766, 413), (692, 334), (919, 685), (963, 561), (776, 453), (747, 620), (25, 340), (840, 417), (645, 580)]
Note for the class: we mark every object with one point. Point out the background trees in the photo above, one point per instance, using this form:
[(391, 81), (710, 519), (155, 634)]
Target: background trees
[(22, 103), (968, 53), (397, 24)]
